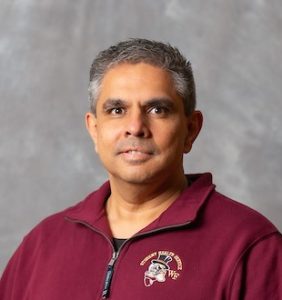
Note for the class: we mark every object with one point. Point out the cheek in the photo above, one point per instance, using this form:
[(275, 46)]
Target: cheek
[(106, 138), (172, 139)]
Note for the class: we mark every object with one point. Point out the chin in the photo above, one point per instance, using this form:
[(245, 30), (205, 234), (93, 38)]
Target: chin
[(137, 178)]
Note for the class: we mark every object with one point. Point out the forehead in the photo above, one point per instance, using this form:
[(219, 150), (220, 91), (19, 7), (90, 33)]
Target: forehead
[(137, 80), (135, 67)]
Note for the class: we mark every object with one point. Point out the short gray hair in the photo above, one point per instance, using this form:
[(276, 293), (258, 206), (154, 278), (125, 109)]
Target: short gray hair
[(152, 52)]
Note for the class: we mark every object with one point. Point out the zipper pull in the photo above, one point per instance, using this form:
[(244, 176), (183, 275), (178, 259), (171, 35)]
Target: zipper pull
[(109, 275)]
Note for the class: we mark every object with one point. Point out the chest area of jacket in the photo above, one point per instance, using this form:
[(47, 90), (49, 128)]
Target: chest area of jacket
[(160, 265)]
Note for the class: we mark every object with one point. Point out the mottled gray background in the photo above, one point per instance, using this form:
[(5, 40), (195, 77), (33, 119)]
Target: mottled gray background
[(46, 47)]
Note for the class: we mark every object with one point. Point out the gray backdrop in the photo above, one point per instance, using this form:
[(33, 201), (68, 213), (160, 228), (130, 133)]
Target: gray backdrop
[(46, 158)]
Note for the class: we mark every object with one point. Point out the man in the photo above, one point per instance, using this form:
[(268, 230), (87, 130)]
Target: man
[(151, 232)]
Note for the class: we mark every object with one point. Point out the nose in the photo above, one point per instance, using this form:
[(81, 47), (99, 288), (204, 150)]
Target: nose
[(137, 125)]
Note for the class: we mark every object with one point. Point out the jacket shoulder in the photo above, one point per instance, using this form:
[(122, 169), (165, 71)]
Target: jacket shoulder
[(236, 217)]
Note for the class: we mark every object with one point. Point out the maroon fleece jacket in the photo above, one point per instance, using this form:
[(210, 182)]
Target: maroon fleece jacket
[(203, 247)]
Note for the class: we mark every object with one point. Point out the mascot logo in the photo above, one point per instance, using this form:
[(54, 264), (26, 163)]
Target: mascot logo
[(161, 267)]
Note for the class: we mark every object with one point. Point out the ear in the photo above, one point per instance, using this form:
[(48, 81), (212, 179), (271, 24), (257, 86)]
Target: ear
[(91, 126), (194, 125)]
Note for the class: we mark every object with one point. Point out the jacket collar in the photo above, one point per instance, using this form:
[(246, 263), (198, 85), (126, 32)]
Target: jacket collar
[(183, 210)]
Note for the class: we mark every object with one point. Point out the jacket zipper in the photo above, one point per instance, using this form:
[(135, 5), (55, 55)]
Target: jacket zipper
[(110, 267), (109, 275)]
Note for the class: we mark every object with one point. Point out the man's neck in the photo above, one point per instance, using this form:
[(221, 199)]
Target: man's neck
[(130, 207)]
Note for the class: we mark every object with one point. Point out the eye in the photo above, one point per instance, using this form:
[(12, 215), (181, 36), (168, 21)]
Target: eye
[(115, 111), (159, 110)]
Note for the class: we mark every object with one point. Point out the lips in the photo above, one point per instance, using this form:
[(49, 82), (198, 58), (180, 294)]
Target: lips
[(136, 151), (136, 155)]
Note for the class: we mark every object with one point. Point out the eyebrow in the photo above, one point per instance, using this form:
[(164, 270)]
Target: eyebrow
[(113, 103), (167, 102), (151, 102)]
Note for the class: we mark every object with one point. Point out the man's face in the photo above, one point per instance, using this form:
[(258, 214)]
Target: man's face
[(140, 130)]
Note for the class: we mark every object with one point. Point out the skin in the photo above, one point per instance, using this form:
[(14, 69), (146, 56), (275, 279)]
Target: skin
[(141, 133)]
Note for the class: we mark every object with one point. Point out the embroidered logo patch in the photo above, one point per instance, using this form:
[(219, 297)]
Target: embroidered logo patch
[(161, 265)]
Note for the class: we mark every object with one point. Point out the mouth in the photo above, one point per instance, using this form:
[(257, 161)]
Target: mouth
[(136, 155), (137, 151)]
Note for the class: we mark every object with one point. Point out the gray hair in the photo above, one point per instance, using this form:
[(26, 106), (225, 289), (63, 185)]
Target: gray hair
[(152, 52)]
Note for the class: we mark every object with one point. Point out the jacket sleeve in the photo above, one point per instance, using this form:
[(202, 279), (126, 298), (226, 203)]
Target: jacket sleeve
[(258, 274), (16, 276), (9, 277)]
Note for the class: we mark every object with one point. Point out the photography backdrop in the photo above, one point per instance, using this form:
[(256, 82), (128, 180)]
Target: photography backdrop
[(47, 161)]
